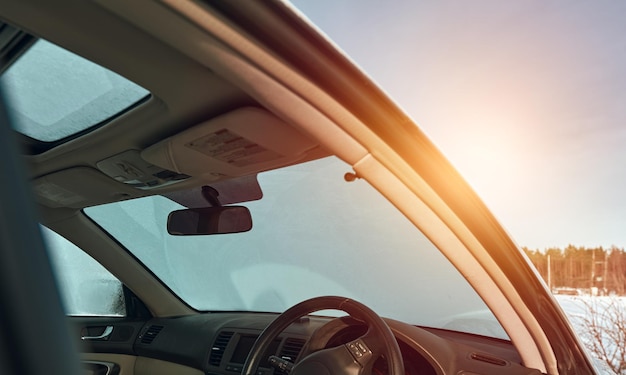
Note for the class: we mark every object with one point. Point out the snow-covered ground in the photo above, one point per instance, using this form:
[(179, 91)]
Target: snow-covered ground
[(579, 308), (601, 324)]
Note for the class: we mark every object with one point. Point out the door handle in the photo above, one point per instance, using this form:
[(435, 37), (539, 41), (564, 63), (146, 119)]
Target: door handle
[(104, 336)]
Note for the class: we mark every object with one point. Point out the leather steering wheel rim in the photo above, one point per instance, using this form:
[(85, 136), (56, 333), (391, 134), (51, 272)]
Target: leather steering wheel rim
[(377, 328)]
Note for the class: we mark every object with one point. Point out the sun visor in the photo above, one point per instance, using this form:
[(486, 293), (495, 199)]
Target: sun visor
[(77, 188), (241, 142)]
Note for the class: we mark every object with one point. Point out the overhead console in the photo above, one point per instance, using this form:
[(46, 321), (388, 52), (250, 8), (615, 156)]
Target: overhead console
[(130, 168), (240, 143)]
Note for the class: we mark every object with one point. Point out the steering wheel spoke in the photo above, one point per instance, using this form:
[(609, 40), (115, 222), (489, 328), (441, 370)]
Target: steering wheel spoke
[(362, 351)]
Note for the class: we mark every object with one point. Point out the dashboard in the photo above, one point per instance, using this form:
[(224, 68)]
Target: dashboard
[(219, 343)]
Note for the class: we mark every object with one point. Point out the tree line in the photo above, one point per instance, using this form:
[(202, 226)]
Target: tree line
[(596, 270)]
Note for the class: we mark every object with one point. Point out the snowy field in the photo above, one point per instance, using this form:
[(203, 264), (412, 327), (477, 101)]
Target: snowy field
[(579, 308), (601, 325)]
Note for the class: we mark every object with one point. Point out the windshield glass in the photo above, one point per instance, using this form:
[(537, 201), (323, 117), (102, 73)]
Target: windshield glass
[(313, 234)]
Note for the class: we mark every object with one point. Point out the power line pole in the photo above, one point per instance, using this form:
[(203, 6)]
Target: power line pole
[(549, 274)]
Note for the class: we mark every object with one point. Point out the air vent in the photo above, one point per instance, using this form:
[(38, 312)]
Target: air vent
[(291, 349), (150, 334), (217, 350)]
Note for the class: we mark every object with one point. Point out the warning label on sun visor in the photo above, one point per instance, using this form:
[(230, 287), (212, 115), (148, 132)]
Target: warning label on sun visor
[(232, 148)]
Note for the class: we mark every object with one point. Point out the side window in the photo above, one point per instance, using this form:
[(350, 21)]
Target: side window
[(87, 288)]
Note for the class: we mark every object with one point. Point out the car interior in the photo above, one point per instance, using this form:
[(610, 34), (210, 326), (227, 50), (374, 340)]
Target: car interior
[(229, 194)]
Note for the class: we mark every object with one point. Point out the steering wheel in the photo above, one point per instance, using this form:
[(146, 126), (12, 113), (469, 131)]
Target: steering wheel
[(354, 358)]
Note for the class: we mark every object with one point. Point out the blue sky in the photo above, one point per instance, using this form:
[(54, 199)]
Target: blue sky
[(527, 99)]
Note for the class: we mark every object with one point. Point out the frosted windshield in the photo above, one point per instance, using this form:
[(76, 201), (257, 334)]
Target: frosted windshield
[(313, 234)]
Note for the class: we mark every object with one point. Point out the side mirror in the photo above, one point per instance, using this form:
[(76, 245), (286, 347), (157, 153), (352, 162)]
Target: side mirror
[(209, 220)]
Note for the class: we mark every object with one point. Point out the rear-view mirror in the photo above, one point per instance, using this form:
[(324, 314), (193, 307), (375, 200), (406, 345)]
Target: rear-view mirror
[(209, 220)]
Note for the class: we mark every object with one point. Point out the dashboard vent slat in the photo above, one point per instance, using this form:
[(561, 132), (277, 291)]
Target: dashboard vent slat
[(217, 350), (151, 334), (291, 349)]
